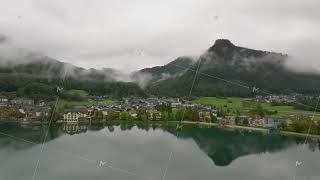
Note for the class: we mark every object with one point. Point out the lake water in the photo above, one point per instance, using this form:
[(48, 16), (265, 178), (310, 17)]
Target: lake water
[(133, 151)]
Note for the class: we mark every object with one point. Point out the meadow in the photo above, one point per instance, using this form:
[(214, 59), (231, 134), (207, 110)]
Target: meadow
[(236, 103)]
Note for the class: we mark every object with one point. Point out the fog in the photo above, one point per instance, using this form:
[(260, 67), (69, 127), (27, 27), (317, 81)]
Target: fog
[(130, 35)]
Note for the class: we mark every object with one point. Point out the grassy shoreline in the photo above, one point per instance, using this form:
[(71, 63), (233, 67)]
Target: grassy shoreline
[(287, 133), (235, 103)]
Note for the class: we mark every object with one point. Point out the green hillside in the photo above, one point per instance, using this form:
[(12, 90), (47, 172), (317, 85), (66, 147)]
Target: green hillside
[(229, 70)]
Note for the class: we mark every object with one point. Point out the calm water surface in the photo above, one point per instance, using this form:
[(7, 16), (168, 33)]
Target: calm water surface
[(121, 151)]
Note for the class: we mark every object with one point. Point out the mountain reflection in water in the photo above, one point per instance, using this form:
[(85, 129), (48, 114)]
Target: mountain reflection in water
[(222, 146)]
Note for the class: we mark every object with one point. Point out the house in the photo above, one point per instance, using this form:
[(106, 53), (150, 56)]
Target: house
[(116, 114), (243, 119), (207, 107), (132, 112), (176, 104), (270, 123), (3, 101), (74, 128), (42, 103), (154, 114), (229, 120), (104, 111), (220, 121), (205, 116), (190, 105), (22, 101), (42, 111), (257, 122), (74, 115)]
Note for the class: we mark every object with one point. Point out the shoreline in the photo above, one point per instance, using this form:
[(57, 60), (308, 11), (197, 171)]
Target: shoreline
[(287, 133)]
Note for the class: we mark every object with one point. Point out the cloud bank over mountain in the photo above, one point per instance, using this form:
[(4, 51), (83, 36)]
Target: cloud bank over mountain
[(130, 35)]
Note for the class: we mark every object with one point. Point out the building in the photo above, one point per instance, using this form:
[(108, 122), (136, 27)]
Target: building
[(208, 107), (22, 101), (74, 115), (205, 116), (42, 111), (155, 115), (229, 120), (243, 119), (3, 101), (115, 114), (271, 123), (190, 105), (74, 128), (220, 121), (132, 112), (257, 122), (176, 105), (104, 111), (42, 103)]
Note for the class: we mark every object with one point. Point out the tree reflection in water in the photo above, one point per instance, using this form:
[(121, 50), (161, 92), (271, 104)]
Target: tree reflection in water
[(222, 146)]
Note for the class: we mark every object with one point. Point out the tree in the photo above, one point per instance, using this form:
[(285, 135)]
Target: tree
[(162, 107), (53, 115), (124, 116), (110, 116), (143, 115), (98, 115), (165, 116), (214, 119), (283, 125), (171, 117), (180, 114), (36, 91)]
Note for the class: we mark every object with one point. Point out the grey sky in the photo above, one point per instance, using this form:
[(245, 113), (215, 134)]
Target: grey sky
[(132, 34)]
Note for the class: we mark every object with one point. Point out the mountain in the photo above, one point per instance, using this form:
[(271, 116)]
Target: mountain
[(223, 70), (225, 146), (230, 70), (48, 67), (172, 69), (36, 76)]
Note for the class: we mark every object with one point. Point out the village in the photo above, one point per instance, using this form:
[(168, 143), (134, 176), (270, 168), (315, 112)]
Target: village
[(27, 111)]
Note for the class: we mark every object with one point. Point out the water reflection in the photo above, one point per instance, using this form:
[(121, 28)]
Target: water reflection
[(222, 146), (74, 128)]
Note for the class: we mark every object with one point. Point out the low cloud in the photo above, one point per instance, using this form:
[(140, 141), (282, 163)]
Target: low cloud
[(3, 38), (305, 57), (112, 33), (12, 56), (142, 79)]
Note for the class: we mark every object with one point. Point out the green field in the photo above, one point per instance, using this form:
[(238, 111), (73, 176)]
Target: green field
[(231, 102), (81, 93), (109, 101), (63, 104), (235, 103)]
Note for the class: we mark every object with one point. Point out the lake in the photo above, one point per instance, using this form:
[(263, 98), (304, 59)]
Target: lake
[(157, 151)]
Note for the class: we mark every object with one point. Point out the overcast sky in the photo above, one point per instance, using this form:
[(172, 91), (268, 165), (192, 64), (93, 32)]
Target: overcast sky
[(132, 34)]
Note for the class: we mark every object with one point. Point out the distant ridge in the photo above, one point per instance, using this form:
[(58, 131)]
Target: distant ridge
[(174, 68), (232, 63)]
